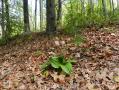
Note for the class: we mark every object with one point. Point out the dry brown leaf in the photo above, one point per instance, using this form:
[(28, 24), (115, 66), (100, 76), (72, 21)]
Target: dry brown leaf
[(92, 87), (116, 79), (60, 78), (54, 76), (57, 43)]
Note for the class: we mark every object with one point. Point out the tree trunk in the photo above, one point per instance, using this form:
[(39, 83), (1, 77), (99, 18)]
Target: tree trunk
[(26, 16), (117, 4), (91, 8), (59, 11), (110, 2), (41, 14), (50, 17), (2, 20), (104, 8), (113, 7), (35, 15), (7, 18), (82, 7)]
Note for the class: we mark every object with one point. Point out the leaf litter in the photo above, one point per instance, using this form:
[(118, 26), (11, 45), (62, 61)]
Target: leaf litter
[(97, 66)]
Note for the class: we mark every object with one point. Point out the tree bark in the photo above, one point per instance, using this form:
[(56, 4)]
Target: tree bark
[(104, 8), (41, 14), (8, 28), (35, 15), (3, 19), (50, 17), (117, 4), (91, 8), (82, 7), (26, 16), (59, 11), (113, 7)]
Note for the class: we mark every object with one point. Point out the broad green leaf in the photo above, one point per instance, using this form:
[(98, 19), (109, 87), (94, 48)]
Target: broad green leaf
[(61, 59), (55, 63), (67, 68)]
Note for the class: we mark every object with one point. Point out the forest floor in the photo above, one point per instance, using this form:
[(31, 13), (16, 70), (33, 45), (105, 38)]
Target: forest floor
[(97, 66)]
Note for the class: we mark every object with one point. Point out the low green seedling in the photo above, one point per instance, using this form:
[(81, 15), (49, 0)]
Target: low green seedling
[(59, 62), (3, 41), (37, 53), (79, 40)]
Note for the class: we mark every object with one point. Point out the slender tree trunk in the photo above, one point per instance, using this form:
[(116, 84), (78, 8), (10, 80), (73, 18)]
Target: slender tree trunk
[(26, 16), (110, 1), (3, 19), (7, 18), (91, 8), (117, 4), (104, 7), (82, 7), (41, 14), (51, 17), (35, 15), (59, 11), (113, 7)]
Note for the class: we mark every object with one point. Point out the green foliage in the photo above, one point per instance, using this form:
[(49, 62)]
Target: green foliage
[(59, 62), (78, 17), (16, 27)]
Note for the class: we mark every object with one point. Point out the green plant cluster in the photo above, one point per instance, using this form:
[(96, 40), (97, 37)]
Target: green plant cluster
[(59, 63)]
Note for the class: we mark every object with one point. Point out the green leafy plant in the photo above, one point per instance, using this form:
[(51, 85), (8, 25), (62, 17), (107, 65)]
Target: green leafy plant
[(60, 63)]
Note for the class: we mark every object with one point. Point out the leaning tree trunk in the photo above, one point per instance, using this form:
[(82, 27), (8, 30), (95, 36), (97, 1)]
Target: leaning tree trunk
[(26, 16), (50, 17)]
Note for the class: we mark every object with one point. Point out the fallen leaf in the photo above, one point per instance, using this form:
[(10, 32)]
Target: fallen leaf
[(116, 79), (57, 43), (61, 79)]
